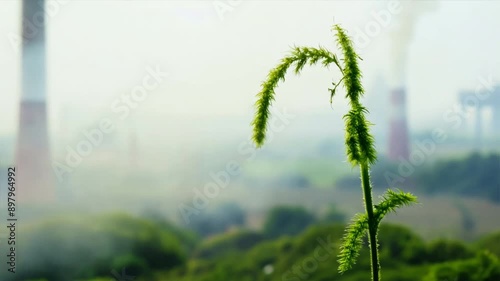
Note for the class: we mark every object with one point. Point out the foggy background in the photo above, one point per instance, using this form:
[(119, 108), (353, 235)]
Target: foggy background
[(190, 125), (197, 117)]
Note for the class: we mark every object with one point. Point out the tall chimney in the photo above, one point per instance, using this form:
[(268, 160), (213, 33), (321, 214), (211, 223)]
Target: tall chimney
[(398, 128), (34, 176), (402, 32)]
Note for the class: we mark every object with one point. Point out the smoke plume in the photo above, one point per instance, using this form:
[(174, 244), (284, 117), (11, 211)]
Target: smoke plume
[(402, 33)]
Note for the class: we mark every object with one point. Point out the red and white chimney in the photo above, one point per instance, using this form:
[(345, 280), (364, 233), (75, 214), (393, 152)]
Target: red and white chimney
[(398, 128), (34, 175)]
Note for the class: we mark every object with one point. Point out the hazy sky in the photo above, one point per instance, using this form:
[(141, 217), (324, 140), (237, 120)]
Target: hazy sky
[(99, 50)]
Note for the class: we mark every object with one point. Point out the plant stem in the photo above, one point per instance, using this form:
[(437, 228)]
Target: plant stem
[(372, 224)]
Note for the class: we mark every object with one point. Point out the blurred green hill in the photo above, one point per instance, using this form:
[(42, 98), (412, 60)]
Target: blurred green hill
[(104, 247)]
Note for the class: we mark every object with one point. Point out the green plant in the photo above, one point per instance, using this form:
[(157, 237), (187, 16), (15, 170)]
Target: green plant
[(358, 140)]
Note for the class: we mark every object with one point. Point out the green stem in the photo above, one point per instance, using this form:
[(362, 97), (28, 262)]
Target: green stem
[(372, 224)]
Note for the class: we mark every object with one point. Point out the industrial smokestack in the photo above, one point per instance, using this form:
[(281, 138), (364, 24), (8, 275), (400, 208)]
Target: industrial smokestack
[(34, 177), (401, 36), (398, 135)]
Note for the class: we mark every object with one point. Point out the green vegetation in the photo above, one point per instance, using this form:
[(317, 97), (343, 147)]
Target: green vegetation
[(358, 141), (93, 247), (333, 215), (484, 267), (68, 248), (476, 175), (284, 220), (490, 242), (309, 256), (227, 243), (217, 220)]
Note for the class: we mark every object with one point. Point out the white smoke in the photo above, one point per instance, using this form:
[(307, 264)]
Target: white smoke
[(401, 33)]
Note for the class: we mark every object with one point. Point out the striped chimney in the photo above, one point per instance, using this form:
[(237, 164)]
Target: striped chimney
[(398, 128), (34, 175)]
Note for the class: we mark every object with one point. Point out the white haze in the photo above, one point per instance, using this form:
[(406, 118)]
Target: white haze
[(98, 50)]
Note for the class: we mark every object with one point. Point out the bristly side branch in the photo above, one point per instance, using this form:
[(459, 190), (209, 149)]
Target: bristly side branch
[(392, 200), (352, 242), (299, 57)]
